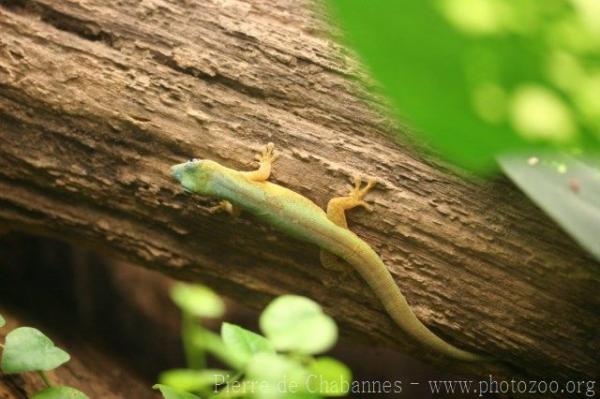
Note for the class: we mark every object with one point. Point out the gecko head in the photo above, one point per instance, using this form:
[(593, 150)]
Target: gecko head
[(194, 175)]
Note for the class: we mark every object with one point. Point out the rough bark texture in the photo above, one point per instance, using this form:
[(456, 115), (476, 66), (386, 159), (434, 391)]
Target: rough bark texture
[(98, 98)]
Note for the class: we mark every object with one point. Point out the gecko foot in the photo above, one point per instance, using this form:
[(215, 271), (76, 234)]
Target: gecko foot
[(357, 192), (225, 206), (267, 155)]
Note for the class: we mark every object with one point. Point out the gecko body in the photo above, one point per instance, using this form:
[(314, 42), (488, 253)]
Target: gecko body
[(299, 217)]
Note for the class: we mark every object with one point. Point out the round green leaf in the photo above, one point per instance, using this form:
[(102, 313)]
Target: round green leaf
[(273, 376), (329, 377), (298, 324), (59, 392), (2, 321), (243, 343), (193, 380), (198, 300), (28, 349), (170, 393)]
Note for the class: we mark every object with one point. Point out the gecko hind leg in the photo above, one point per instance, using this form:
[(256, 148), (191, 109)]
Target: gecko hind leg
[(336, 212), (265, 160), (226, 206)]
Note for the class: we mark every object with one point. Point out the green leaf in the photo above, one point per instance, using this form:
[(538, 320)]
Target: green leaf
[(478, 78), (198, 341), (193, 380), (2, 321), (566, 188), (28, 349), (59, 392), (170, 393), (329, 377), (298, 324), (198, 300), (244, 343), (274, 376)]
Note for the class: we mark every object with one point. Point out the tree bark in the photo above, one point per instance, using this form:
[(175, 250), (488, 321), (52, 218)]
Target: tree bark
[(98, 98)]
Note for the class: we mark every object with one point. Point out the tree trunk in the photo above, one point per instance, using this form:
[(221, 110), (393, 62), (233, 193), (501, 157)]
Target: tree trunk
[(98, 98)]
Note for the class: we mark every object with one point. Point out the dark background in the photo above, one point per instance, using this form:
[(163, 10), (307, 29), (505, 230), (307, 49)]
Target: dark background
[(75, 294)]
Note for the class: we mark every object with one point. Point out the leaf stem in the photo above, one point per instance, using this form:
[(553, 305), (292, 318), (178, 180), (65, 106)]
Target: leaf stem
[(190, 329), (45, 378)]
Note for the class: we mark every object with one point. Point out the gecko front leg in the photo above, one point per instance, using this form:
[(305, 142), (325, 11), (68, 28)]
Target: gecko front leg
[(265, 159), (336, 212)]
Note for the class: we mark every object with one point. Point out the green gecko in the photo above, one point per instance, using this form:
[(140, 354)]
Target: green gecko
[(301, 218)]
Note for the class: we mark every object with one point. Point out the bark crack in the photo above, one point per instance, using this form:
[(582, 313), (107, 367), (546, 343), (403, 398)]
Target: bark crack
[(88, 30)]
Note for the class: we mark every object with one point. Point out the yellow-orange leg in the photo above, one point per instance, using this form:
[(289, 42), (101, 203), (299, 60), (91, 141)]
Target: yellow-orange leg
[(226, 206), (265, 159), (336, 212)]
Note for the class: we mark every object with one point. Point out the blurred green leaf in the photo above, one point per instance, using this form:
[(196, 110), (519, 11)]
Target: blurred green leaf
[(274, 376), (206, 340), (566, 188), (193, 380), (2, 321), (59, 392), (198, 300), (195, 301), (329, 377), (170, 393), (244, 343), (478, 78), (28, 349), (298, 324)]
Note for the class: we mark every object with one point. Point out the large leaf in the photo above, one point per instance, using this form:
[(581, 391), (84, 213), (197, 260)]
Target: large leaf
[(243, 343), (482, 77), (28, 349), (566, 188), (59, 392), (2, 321), (295, 323)]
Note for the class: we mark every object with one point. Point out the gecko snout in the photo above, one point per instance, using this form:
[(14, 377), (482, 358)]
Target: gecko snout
[(177, 171)]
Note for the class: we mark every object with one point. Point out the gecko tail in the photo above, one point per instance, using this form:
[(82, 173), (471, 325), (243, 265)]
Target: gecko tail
[(400, 311), (375, 273), (459, 354)]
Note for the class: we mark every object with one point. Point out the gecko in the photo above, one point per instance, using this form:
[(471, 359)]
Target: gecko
[(300, 218)]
